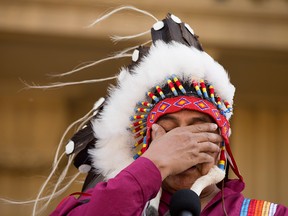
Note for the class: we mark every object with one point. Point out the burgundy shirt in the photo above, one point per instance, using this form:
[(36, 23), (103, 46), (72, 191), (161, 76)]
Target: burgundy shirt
[(128, 193)]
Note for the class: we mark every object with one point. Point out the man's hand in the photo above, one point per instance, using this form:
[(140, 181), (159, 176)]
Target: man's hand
[(182, 147)]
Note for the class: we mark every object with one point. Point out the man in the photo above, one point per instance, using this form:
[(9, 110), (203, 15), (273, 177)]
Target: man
[(179, 101)]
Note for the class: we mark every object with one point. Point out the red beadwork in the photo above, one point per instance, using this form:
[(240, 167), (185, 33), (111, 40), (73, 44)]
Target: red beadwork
[(211, 88), (136, 123), (139, 134), (140, 141), (145, 103), (138, 128)]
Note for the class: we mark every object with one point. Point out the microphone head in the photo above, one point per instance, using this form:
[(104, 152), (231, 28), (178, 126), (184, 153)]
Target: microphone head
[(185, 200)]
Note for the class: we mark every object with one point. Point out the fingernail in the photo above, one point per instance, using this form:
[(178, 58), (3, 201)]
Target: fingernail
[(215, 126), (155, 127)]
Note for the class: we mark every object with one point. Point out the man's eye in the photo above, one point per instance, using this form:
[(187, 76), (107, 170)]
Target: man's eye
[(200, 122)]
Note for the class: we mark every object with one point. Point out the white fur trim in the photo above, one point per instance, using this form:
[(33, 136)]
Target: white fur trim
[(113, 150)]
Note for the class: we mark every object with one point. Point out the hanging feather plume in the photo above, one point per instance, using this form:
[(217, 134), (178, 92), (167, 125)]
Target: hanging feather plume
[(107, 15)]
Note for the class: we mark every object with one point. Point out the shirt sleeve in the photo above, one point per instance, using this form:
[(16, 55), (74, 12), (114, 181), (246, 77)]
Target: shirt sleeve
[(281, 211), (126, 194)]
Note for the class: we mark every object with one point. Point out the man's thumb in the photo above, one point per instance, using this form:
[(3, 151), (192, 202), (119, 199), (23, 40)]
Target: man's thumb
[(157, 131)]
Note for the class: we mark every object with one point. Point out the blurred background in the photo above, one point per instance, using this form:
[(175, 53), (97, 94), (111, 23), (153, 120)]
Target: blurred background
[(42, 37)]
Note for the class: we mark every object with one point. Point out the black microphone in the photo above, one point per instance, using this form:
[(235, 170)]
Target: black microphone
[(185, 202)]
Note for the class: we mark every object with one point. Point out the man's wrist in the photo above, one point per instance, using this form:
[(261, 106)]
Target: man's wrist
[(164, 171)]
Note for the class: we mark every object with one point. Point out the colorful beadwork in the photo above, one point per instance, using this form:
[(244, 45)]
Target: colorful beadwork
[(160, 92), (144, 146), (219, 104), (212, 94), (138, 134), (203, 88), (138, 117), (228, 106), (178, 84), (137, 155), (222, 161), (138, 128), (257, 207), (144, 103), (172, 87), (151, 95), (135, 124), (197, 88), (141, 110), (138, 143), (142, 150)]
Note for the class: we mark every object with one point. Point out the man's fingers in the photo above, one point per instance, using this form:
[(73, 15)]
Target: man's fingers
[(157, 131), (207, 137), (205, 127), (208, 147), (205, 158)]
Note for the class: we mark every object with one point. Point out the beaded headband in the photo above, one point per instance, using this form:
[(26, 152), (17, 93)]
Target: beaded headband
[(143, 108)]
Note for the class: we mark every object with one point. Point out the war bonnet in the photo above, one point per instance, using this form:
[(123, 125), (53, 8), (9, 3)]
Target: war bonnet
[(174, 73)]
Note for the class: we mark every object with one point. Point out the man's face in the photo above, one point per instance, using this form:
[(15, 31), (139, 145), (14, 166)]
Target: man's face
[(184, 118)]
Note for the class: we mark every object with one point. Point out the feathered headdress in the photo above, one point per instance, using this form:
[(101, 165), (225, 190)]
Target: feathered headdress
[(174, 73)]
